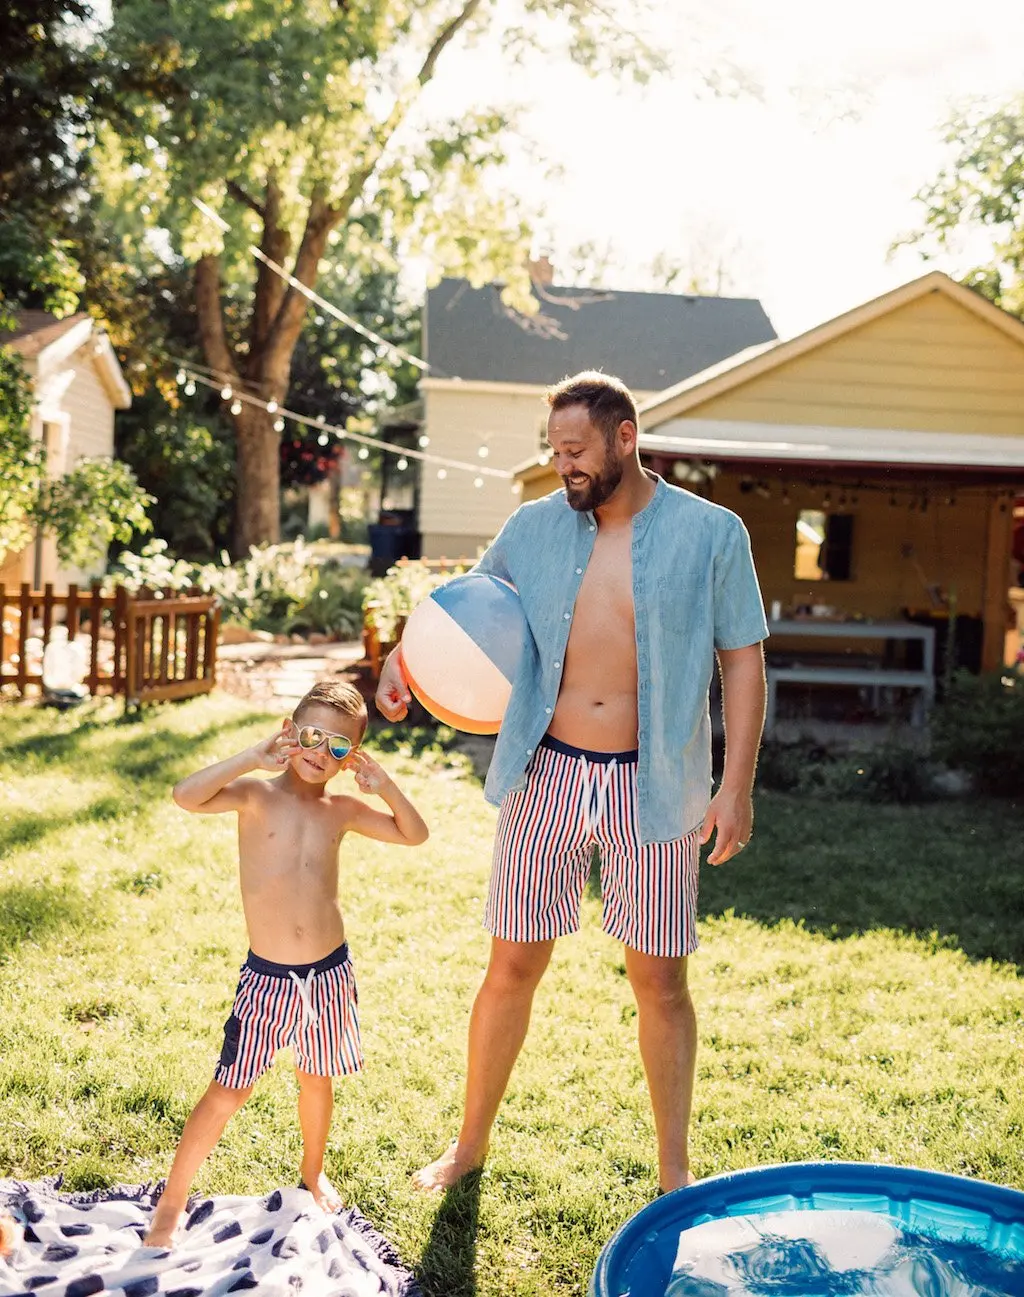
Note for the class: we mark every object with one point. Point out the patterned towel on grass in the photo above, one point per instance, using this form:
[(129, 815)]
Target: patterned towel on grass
[(77, 1244)]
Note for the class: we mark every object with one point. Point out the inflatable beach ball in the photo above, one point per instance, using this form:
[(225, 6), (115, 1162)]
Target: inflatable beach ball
[(460, 651)]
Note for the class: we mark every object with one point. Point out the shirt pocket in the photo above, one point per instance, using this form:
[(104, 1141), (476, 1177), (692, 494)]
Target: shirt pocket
[(680, 604)]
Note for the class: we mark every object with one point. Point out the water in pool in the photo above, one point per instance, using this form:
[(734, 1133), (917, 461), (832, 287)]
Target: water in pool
[(820, 1253)]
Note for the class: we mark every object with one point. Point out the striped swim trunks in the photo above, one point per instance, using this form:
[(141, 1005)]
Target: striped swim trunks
[(574, 801), (311, 1007)]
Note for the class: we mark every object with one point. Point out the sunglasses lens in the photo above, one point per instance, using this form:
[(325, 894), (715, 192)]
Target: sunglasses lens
[(338, 747), (310, 737)]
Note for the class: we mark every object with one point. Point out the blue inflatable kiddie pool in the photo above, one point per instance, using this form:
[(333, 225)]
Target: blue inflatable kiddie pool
[(813, 1229)]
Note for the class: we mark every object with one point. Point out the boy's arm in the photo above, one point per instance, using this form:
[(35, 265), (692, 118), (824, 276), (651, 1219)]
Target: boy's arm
[(404, 825), (223, 787)]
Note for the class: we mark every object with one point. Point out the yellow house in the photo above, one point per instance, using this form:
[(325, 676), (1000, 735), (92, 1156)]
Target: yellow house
[(874, 459), (77, 386)]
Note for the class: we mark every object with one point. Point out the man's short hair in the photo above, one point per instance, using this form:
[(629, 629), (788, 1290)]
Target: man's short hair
[(608, 400), (338, 694)]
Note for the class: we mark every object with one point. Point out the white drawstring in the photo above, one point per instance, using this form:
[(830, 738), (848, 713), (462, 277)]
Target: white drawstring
[(304, 988), (595, 795)]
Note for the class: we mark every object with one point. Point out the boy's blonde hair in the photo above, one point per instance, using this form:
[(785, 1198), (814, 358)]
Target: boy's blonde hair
[(338, 694)]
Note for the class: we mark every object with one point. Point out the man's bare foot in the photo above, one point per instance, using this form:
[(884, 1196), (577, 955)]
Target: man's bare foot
[(679, 1180), (164, 1229), (324, 1193), (449, 1168)]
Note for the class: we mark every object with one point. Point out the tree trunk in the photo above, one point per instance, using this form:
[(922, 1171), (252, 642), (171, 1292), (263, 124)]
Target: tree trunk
[(258, 497)]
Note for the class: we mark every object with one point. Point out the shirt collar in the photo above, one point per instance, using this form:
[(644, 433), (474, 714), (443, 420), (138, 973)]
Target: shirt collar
[(643, 518)]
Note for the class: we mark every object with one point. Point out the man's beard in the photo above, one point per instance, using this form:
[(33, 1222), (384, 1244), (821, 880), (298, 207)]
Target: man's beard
[(593, 493)]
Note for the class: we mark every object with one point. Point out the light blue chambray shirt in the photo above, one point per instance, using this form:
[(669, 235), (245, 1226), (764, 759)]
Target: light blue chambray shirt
[(694, 590)]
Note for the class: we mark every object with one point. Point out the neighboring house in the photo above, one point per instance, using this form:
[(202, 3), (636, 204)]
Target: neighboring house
[(875, 461), (489, 368), (77, 385)]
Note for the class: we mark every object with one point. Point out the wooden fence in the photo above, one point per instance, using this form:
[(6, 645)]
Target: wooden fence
[(156, 644)]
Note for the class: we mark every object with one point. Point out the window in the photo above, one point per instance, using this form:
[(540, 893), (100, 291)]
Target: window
[(824, 546)]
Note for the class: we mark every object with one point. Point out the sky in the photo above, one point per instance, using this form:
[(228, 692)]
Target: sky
[(799, 188)]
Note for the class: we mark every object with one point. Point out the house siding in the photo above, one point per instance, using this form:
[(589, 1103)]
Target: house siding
[(931, 365)]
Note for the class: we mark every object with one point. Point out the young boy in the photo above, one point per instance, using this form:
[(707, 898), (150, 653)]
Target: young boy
[(297, 986)]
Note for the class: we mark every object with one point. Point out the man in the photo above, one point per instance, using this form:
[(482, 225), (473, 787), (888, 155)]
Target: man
[(630, 587)]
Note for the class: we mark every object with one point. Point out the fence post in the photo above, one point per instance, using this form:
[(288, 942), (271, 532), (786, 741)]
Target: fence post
[(24, 616), (95, 623), (47, 612), (71, 619), (3, 622), (120, 672)]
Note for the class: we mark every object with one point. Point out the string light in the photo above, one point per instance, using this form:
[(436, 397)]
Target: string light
[(478, 481), (236, 406), (483, 452), (271, 407), (278, 424), (190, 388), (442, 473), (320, 423), (402, 464), (423, 442), (181, 376), (323, 439)]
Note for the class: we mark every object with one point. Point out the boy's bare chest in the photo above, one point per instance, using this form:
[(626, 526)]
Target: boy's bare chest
[(289, 843)]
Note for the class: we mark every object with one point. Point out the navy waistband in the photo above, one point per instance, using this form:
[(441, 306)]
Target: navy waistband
[(601, 758), (270, 969)]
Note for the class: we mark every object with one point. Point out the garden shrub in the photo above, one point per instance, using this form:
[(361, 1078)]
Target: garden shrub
[(390, 599), (979, 728), (890, 772)]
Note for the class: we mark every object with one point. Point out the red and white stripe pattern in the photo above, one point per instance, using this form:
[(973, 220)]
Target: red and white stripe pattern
[(313, 1008), (573, 801)]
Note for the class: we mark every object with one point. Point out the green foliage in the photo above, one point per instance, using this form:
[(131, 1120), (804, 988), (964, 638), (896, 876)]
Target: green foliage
[(154, 567), (979, 728), (391, 598), (979, 190), (334, 605), (97, 502), (21, 459), (265, 589), (186, 462), (888, 772)]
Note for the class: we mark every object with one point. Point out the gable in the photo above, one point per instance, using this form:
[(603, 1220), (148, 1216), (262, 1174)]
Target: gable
[(931, 365)]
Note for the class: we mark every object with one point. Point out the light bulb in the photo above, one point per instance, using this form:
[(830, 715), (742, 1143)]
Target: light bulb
[(402, 464), (181, 378), (225, 393), (442, 473), (517, 488), (323, 439), (363, 453), (190, 388), (424, 442), (478, 481), (236, 406), (483, 452), (279, 425), (271, 407)]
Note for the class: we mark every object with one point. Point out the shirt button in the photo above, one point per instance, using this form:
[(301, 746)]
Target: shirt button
[(579, 571), (557, 665), (529, 752), (548, 710), (565, 616), (592, 527)]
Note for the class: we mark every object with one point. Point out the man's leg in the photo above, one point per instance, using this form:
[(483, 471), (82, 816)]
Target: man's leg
[(202, 1131), (668, 1046), (316, 1107), (497, 1029)]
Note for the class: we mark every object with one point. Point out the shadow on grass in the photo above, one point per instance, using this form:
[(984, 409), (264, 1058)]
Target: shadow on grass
[(26, 829), (949, 873), (36, 912), (449, 1259)]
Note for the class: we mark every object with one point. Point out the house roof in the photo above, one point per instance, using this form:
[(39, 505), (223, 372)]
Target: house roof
[(34, 331), (715, 380), (720, 439), (648, 339), (45, 341)]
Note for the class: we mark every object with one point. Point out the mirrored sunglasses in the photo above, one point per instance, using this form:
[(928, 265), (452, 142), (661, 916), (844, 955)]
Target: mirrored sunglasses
[(338, 745)]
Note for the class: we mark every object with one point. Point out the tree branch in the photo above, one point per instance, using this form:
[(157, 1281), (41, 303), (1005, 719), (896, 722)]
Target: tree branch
[(270, 288), (243, 196)]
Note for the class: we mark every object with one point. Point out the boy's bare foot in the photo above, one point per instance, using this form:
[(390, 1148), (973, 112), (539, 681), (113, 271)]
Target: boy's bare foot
[(164, 1229), (449, 1168), (324, 1193)]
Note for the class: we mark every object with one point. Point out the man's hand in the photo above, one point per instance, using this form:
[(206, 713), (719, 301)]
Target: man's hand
[(393, 695), (731, 818), (277, 751), (370, 778)]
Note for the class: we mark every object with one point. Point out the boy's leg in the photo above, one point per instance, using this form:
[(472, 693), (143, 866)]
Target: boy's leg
[(497, 1029), (202, 1131), (316, 1106)]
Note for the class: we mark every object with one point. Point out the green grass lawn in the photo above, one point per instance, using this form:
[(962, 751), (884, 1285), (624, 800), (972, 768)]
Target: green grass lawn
[(859, 993)]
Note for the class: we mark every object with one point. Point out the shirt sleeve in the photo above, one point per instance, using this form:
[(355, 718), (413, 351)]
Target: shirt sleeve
[(739, 609), (496, 558)]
